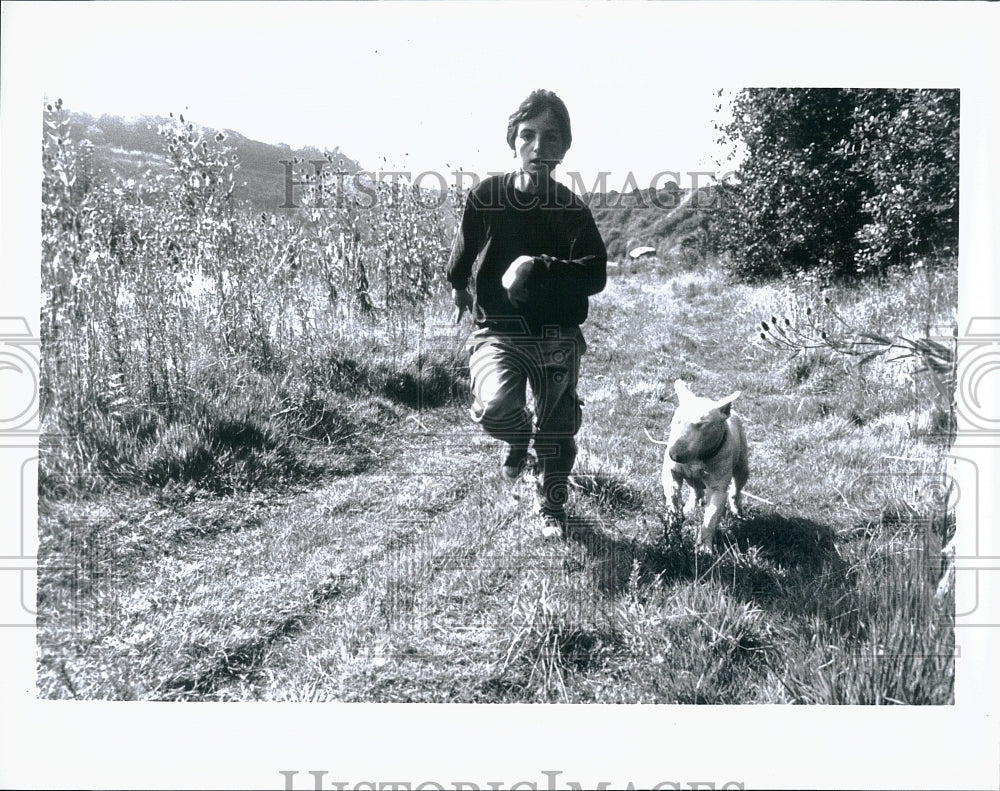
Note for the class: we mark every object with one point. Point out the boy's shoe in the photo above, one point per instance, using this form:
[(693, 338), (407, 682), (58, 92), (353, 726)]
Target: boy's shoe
[(514, 462), (553, 525), (554, 520)]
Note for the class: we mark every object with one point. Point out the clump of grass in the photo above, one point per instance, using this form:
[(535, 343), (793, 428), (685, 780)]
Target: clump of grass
[(538, 639), (692, 643), (220, 454), (897, 645), (216, 442), (237, 429), (550, 638), (611, 493)]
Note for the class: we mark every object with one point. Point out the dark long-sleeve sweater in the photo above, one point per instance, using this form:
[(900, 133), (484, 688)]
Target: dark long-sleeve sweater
[(501, 223)]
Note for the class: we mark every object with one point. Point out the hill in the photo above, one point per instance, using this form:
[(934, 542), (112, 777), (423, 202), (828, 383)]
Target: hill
[(130, 147), (674, 221)]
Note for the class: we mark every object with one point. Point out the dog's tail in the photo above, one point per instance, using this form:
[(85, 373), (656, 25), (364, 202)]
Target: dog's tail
[(655, 441)]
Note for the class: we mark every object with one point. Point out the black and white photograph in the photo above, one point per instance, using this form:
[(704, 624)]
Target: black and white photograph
[(390, 388)]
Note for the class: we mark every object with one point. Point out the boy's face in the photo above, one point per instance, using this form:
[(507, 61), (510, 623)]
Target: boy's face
[(539, 144)]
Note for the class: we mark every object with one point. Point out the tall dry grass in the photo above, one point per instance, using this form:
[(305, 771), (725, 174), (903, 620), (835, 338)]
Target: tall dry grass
[(185, 338)]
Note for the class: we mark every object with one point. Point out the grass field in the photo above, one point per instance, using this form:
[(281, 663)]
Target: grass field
[(337, 529)]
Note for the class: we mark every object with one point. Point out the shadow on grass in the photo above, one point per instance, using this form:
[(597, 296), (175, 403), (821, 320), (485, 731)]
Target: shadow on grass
[(614, 560), (788, 542), (418, 383), (753, 557)]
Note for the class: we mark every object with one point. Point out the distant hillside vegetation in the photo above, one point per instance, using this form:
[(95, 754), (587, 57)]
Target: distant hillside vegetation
[(131, 147), (674, 221)]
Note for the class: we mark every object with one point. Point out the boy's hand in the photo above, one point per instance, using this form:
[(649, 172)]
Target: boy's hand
[(463, 302)]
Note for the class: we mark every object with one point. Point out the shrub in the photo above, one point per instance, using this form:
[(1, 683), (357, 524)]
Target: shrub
[(840, 182)]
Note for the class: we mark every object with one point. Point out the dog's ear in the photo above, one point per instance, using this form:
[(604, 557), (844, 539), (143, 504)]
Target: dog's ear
[(725, 405), (682, 390)]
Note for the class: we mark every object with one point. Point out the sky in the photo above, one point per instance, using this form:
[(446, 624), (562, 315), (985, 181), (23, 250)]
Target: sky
[(429, 86), (402, 87)]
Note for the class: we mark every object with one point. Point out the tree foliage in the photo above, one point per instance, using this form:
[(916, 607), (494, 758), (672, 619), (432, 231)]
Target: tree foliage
[(841, 182)]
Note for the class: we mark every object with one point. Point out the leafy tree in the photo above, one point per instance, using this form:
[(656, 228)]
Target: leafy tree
[(796, 204), (840, 182), (905, 148)]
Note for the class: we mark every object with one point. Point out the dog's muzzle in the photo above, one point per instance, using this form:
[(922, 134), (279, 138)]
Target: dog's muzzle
[(683, 453)]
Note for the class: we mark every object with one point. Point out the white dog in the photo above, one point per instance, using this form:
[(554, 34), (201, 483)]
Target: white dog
[(707, 448)]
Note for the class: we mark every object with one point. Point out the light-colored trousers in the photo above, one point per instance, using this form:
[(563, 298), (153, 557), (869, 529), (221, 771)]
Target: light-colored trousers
[(500, 367)]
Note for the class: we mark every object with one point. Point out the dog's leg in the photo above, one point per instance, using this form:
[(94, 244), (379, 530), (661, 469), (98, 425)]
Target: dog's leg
[(736, 499), (713, 513), (672, 493), (736, 502), (696, 498), (672, 485), (740, 475)]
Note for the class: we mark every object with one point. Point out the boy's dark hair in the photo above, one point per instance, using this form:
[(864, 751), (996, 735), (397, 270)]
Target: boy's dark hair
[(537, 103)]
